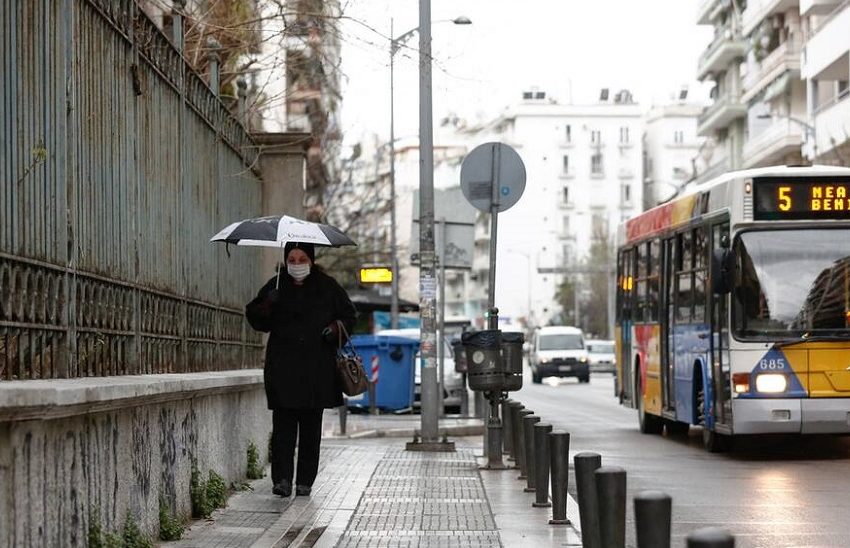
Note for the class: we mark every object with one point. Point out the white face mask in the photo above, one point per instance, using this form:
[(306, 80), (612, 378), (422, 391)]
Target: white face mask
[(298, 271)]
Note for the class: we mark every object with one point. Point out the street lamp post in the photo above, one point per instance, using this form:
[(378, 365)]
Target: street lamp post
[(395, 45)]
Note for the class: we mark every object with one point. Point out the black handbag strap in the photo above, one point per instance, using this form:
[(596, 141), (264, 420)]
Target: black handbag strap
[(345, 347)]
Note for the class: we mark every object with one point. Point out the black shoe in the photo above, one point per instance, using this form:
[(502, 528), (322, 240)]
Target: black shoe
[(283, 488), (302, 490)]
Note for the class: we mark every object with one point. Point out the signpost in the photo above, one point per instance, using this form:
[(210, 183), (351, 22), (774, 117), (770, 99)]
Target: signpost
[(492, 178)]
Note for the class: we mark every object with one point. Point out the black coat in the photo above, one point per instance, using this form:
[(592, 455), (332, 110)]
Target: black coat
[(300, 363)]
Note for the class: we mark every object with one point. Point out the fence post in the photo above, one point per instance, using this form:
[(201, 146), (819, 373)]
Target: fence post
[(559, 447), (711, 537), (214, 59), (541, 465), (514, 410), (653, 511), (507, 433), (586, 463), (242, 94), (519, 441), (528, 433), (343, 418), (177, 24), (611, 497)]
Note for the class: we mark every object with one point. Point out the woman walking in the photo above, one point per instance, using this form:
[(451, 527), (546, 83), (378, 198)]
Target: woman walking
[(300, 377)]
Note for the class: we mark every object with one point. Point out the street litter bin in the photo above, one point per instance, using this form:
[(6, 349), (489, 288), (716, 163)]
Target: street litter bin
[(512, 355), (485, 368), (393, 357)]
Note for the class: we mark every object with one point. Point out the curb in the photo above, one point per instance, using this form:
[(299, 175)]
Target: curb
[(457, 431)]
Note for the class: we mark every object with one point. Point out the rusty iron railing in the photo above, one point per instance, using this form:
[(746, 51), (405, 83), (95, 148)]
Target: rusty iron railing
[(117, 164)]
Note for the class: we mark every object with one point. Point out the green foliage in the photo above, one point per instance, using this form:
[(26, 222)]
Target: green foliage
[(170, 528), (216, 491), (206, 495), (95, 531), (198, 493), (132, 535), (255, 471)]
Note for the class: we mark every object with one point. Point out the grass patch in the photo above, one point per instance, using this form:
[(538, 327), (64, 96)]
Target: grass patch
[(170, 528), (255, 471)]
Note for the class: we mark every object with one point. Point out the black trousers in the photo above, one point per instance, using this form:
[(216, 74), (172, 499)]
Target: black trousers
[(306, 426)]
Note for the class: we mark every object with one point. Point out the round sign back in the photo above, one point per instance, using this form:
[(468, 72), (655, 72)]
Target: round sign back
[(488, 164)]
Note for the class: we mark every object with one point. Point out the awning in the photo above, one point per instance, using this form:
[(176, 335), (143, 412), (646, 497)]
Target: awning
[(369, 301)]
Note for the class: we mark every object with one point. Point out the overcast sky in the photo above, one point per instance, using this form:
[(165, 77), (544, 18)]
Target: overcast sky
[(562, 46)]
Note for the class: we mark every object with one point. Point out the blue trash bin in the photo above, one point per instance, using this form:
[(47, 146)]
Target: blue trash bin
[(394, 357)]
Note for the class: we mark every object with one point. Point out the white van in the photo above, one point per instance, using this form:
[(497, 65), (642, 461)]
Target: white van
[(558, 351)]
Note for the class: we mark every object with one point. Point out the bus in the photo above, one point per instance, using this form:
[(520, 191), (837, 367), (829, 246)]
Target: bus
[(733, 307)]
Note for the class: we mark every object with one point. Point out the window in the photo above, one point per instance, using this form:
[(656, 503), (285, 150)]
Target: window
[(566, 195), (647, 281), (566, 164), (565, 250), (568, 134), (678, 137), (527, 95), (596, 137), (566, 225), (691, 260), (596, 163), (598, 225), (624, 135), (626, 194)]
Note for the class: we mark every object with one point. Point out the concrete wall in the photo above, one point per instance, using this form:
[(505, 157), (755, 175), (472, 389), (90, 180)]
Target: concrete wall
[(70, 448)]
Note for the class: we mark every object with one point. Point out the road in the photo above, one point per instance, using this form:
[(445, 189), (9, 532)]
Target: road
[(768, 492)]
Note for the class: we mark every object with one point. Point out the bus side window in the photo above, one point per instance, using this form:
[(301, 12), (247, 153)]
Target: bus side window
[(654, 278), (700, 273)]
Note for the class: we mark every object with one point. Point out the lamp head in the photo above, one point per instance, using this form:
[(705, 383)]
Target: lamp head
[(462, 20)]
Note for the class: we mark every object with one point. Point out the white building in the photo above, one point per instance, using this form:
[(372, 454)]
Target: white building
[(672, 149), (826, 69), (724, 121)]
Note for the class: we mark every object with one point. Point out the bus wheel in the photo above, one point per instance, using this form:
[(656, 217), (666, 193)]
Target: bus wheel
[(711, 440), (649, 424)]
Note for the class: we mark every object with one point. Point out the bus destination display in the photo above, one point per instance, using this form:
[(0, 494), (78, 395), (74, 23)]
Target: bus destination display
[(777, 199)]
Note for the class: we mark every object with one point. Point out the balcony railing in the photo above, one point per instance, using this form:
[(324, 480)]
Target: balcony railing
[(724, 110), (782, 138), (786, 57), (726, 47)]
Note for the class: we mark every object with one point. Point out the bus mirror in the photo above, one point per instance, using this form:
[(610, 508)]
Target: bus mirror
[(722, 266)]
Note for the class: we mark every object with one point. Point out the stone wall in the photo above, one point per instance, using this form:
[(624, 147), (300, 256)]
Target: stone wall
[(106, 446)]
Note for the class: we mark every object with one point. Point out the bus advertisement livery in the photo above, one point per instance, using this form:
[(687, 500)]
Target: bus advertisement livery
[(733, 307)]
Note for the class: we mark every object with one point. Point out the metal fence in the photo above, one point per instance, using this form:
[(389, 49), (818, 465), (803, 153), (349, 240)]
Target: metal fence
[(117, 164)]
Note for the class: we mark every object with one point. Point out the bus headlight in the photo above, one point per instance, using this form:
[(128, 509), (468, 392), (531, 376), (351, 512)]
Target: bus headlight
[(771, 383)]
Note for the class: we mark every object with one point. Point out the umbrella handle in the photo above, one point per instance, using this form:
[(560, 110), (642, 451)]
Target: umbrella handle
[(277, 286)]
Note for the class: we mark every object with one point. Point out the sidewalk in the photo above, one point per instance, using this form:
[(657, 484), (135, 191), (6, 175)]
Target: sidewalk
[(371, 492)]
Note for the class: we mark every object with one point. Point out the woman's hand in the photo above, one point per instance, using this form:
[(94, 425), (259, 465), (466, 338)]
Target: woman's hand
[(331, 333)]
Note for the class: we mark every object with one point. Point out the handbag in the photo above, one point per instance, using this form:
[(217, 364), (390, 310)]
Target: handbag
[(349, 366)]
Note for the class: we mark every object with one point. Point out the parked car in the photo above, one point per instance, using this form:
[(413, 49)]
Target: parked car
[(601, 355), (453, 381), (558, 351)]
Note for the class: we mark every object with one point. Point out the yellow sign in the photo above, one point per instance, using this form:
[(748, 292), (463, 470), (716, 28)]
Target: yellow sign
[(376, 275)]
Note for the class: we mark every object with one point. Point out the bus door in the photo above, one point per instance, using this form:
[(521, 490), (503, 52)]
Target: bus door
[(668, 317), (625, 309), (719, 352)]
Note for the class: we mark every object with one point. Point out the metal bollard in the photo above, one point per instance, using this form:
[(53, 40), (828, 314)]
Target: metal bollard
[(653, 511), (611, 497), (507, 435), (342, 410), (373, 410), (528, 423), (514, 409), (559, 447), (711, 537), (586, 463), (519, 441), (541, 465)]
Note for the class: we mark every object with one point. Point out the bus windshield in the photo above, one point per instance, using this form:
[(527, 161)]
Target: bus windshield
[(561, 342), (792, 283)]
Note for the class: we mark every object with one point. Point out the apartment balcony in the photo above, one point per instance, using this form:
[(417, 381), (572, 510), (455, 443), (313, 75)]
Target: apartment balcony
[(723, 112), (725, 48), (707, 10), (817, 7), (825, 55), (756, 12), (831, 126), (782, 60), (773, 146)]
